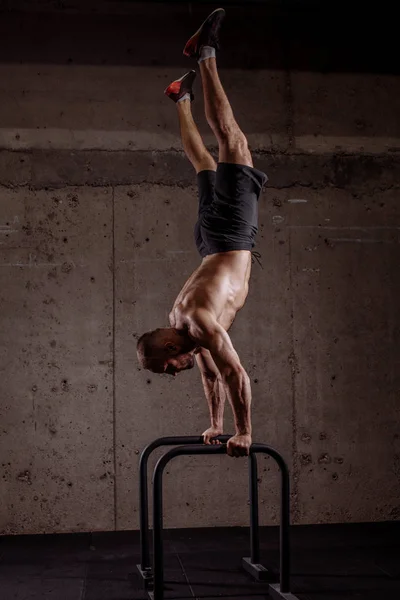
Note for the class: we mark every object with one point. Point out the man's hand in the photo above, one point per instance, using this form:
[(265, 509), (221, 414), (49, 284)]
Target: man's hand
[(212, 432), (239, 445)]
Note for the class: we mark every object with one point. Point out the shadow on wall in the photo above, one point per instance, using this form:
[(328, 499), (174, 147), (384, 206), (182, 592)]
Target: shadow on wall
[(275, 35)]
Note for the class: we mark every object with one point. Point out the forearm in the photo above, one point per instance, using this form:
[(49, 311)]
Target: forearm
[(215, 394), (238, 390)]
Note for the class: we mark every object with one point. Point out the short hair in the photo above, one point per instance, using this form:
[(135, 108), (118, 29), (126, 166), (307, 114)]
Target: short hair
[(150, 349)]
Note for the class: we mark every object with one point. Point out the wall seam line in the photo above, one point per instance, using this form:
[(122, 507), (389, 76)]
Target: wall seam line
[(292, 359), (114, 362)]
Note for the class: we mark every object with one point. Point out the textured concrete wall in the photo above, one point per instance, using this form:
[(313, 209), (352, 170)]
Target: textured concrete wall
[(96, 215)]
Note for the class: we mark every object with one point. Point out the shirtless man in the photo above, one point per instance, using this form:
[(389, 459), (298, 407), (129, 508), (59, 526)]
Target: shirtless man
[(225, 231)]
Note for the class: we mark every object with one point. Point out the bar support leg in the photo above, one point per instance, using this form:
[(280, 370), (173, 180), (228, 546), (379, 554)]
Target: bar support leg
[(158, 537), (252, 564), (281, 590), (144, 567)]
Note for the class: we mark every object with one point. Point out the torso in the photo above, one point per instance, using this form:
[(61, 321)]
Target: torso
[(220, 285)]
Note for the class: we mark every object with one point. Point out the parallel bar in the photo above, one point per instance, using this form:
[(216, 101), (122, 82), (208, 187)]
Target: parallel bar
[(158, 593), (145, 565), (158, 541)]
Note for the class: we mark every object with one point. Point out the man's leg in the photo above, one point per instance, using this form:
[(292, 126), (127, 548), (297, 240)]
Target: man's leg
[(232, 142), (180, 91), (193, 145)]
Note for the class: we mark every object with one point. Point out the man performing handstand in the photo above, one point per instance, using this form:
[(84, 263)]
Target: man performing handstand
[(225, 231)]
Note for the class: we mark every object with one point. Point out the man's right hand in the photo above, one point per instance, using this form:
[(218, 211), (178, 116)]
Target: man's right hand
[(239, 445), (210, 433)]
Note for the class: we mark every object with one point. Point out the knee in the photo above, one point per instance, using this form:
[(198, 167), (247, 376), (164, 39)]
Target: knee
[(212, 377), (233, 139), (233, 148)]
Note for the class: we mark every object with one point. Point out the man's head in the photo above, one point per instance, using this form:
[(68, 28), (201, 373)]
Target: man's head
[(166, 350)]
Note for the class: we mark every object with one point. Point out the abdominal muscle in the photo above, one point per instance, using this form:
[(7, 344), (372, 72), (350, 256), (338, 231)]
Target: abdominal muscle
[(219, 285)]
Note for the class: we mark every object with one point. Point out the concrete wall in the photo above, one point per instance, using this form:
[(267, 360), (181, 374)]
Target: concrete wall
[(96, 215)]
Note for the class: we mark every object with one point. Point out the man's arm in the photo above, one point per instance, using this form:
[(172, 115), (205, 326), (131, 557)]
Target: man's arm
[(215, 394), (210, 335)]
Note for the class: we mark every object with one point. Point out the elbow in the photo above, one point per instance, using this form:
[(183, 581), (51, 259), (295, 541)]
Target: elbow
[(212, 377), (236, 376)]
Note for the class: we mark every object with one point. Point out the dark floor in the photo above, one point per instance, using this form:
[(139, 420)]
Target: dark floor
[(329, 562)]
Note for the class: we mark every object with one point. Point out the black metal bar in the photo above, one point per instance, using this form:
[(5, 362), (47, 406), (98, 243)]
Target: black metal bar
[(158, 553), (145, 565), (284, 546), (254, 521), (158, 593)]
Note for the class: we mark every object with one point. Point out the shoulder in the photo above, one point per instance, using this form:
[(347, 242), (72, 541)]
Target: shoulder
[(202, 325)]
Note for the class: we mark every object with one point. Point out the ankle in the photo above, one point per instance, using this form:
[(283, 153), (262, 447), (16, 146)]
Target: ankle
[(206, 53), (184, 104), (185, 98)]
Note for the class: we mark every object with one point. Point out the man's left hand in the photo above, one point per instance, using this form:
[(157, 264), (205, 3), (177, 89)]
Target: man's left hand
[(239, 445)]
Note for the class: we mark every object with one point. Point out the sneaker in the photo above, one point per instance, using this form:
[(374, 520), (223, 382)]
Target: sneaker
[(180, 87), (207, 35)]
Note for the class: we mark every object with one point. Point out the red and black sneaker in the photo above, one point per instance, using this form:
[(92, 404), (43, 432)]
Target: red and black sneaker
[(180, 87), (207, 35)]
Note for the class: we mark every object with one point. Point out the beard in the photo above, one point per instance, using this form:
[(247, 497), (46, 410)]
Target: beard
[(188, 362)]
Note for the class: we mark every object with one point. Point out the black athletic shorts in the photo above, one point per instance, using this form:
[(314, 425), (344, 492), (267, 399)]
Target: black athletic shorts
[(228, 208)]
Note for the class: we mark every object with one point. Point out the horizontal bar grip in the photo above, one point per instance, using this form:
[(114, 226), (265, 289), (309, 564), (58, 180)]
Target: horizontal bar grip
[(185, 439)]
